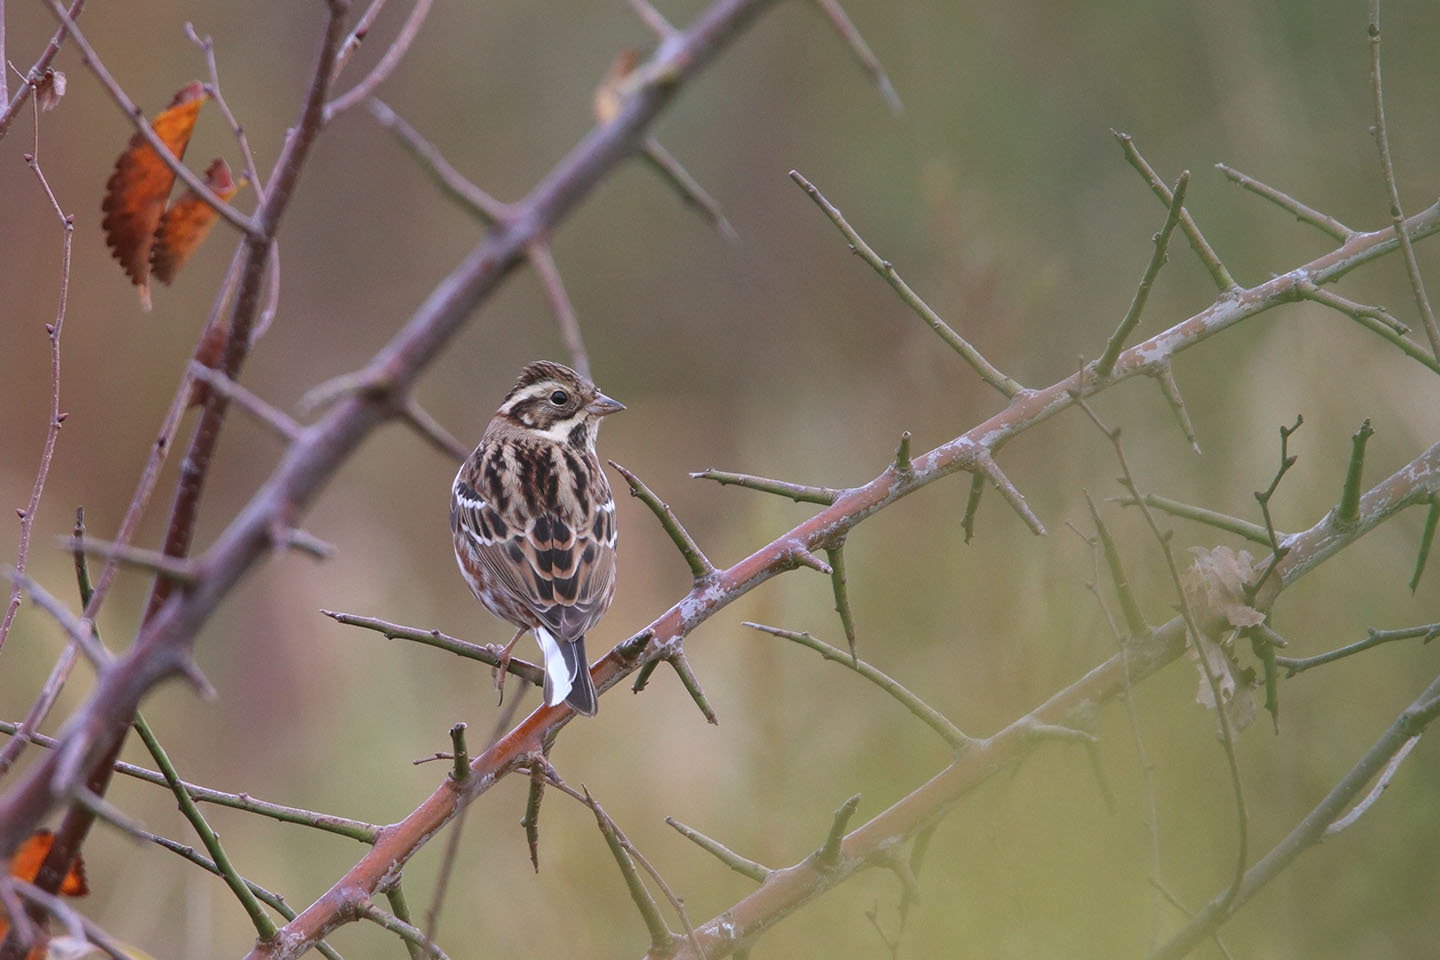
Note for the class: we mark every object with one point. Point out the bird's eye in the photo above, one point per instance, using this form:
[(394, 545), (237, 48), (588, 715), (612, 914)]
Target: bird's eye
[(559, 398)]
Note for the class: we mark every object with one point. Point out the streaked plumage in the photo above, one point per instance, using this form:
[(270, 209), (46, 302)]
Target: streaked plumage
[(534, 523)]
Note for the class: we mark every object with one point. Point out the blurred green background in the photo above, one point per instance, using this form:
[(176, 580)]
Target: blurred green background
[(1003, 199)]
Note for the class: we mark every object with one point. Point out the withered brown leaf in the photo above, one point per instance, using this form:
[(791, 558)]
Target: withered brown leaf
[(136, 192)]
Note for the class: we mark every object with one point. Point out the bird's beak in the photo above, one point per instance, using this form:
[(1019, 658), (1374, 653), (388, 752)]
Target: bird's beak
[(603, 406)]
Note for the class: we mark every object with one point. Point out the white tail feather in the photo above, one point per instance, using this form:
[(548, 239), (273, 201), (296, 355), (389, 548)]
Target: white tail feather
[(557, 673)]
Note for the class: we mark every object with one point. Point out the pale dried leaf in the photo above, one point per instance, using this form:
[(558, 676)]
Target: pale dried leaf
[(1214, 588), (49, 89)]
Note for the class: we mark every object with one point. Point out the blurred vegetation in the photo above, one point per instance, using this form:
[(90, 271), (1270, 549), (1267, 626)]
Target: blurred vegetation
[(1003, 199)]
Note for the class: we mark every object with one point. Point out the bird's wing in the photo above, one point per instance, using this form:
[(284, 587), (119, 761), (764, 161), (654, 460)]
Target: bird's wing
[(562, 573)]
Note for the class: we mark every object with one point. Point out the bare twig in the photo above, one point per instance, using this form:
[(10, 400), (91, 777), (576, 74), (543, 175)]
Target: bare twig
[(931, 717), (280, 423), (455, 185), (1223, 281), (382, 70), (1007, 386), (264, 926), (689, 189), (1116, 343), (1373, 638), (700, 566), (485, 653), (544, 263), (1320, 221), (1387, 167), (799, 492), (1253, 532), (755, 871), (56, 417), (847, 30), (422, 422)]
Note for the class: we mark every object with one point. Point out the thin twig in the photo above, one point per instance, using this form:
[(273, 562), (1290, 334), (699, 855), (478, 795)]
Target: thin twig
[(653, 19), (56, 418), (422, 422), (79, 630), (755, 871), (412, 935), (264, 926), (986, 465), (382, 70), (163, 565), (1116, 343), (700, 566), (1007, 386), (281, 424), (1223, 281), (686, 673), (1373, 638), (450, 180), (1387, 167), (799, 492), (839, 585), (663, 162), (828, 856), (1320, 221), (847, 30), (485, 653), (931, 717), (1253, 532), (1347, 512), (1382, 783), (1427, 540), (544, 263), (1165, 376)]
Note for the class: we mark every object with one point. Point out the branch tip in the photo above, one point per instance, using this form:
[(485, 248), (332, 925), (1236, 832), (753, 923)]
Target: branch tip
[(828, 857), (700, 566)]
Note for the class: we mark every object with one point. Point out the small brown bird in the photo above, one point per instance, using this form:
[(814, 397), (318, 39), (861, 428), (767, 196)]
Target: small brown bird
[(534, 523)]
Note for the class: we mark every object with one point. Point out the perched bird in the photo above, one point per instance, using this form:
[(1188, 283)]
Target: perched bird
[(534, 523)]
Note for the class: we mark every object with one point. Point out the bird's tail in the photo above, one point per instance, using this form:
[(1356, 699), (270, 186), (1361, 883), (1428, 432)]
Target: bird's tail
[(567, 673)]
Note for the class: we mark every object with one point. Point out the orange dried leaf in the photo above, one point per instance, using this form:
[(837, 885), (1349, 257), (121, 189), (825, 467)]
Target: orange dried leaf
[(188, 221), (26, 863), (136, 192)]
